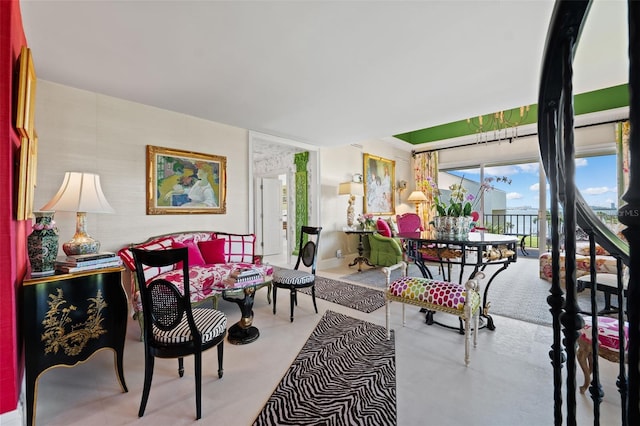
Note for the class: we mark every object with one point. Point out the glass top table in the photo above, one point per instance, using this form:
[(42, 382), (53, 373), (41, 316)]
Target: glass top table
[(478, 251)]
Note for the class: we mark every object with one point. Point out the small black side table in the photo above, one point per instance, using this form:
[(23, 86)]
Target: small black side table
[(360, 259), (243, 331)]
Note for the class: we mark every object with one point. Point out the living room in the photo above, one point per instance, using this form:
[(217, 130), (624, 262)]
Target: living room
[(108, 136)]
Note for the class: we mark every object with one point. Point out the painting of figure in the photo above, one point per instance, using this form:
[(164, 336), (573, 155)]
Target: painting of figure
[(185, 182), (378, 185)]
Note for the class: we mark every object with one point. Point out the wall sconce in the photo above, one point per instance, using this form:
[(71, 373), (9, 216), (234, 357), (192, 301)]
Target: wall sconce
[(80, 193), (418, 198), (402, 185)]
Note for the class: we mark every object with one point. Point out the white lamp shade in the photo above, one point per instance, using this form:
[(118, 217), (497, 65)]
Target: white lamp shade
[(80, 192), (417, 196), (351, 188)]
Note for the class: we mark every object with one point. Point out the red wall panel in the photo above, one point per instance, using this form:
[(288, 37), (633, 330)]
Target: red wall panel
[(13, 233)]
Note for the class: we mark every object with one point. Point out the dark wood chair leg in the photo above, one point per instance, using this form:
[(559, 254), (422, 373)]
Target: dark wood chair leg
[(275, 298), (313, 297), (220, 357), (198, 372), (180, 366), (293, 301), (148, 375)]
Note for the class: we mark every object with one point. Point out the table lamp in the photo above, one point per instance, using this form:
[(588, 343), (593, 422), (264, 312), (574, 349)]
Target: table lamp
[(352, 189), (418, 198), (80, 193)]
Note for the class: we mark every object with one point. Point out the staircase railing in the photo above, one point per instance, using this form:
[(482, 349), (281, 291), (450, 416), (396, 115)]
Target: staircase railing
[(556, 139)]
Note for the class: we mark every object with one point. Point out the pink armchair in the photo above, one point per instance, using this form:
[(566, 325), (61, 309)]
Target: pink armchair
[(411, 222)]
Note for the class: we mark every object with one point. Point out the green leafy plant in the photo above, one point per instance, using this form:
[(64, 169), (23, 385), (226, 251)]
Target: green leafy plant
[(460, 202)]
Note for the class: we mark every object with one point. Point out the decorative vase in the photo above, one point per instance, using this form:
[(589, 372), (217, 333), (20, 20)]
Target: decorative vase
[(452, 227), (42, 244), (463, 227), (444, 227)]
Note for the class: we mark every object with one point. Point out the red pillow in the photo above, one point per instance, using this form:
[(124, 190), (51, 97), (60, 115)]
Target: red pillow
[(213, 251), (383, 228), (195, 257)]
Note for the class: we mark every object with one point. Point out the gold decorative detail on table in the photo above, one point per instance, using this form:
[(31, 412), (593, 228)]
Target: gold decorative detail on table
[(60, 333), (500, 252), (442, 253)]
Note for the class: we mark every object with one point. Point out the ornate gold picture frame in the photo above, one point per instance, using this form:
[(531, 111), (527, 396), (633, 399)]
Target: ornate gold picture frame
[(184, 182), (27, 170), (379, 178), (26, 102)]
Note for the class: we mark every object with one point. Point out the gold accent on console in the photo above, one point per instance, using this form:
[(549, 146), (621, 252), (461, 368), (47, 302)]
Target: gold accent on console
[(61, 333)]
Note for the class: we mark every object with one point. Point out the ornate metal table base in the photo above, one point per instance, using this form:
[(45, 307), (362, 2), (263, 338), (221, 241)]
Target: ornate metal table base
[(360, 259), (474, 251)]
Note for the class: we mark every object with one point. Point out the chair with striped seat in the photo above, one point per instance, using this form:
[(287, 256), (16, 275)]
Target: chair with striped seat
[(172, 328), (294, 279)]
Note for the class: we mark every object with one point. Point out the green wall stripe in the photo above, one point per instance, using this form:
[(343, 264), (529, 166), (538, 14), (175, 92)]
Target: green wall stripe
[(584, 103)]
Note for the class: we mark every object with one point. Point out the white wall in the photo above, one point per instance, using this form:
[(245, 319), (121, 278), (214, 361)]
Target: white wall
[(84, 131), (338, 164)]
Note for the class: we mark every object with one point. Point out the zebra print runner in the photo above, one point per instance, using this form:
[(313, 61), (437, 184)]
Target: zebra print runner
[(357, 297), (344, 375)]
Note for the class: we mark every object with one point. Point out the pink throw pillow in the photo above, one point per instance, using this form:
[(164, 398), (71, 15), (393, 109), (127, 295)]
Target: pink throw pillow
[(383, 228), (195, 257), (213, 251)]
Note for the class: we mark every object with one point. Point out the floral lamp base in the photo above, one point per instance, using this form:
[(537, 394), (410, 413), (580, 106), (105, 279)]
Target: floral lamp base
[(81, 243)]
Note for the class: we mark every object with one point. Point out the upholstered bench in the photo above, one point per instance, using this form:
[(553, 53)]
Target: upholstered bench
[(608, 344), (436, 295)]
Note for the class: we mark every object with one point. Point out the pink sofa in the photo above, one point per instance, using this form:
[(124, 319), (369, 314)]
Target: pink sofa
[(212, 257)]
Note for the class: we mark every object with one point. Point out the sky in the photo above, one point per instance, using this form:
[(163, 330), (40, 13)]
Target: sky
[(595, 178)]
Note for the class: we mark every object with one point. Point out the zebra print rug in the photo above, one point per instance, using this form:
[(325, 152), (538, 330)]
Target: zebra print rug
[(344, 375), (357, 297)]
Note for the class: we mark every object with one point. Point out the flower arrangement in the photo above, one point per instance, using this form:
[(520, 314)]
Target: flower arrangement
[(366, 221), (461, 203)]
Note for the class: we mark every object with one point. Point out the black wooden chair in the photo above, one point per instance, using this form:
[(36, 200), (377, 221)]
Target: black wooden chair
[(172, 328), (293, 279)]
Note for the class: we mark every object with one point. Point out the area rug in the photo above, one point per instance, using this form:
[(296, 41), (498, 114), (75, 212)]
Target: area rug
[(374, 277), (352, 296), (517, 292), (345, 374), (346, 294)]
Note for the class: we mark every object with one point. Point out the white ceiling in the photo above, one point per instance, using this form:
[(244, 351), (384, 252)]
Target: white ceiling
[(320, 72)]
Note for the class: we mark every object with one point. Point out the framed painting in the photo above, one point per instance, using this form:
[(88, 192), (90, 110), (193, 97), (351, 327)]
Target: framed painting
[(181, 182), (26, 177), (26, 102), (379, 175)]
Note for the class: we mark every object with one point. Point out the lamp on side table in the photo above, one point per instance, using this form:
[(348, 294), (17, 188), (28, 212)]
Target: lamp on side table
[(418, 198), (352, 189)]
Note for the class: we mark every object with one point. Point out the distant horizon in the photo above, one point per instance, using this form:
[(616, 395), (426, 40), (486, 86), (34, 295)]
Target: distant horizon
[(596, 179)]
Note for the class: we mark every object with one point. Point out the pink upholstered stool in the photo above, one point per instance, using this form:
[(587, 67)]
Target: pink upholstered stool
[(608, 345), (436, 295)]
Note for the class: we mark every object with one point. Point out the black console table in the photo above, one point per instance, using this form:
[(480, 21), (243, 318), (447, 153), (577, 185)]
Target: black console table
[(67, 318)]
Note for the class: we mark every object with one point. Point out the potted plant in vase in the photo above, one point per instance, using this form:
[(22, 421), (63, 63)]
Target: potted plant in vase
[(453, 218)]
